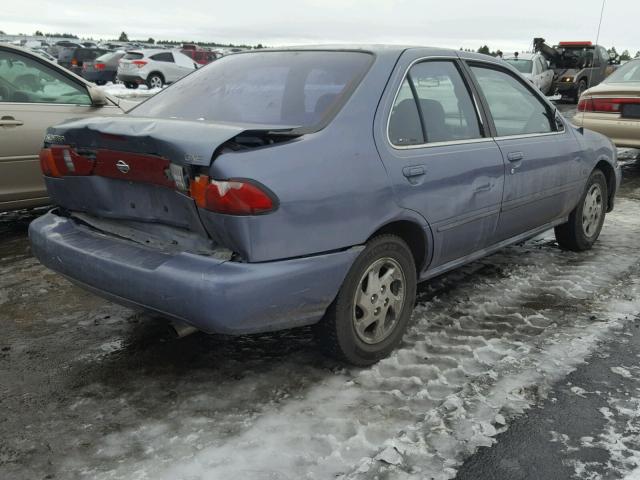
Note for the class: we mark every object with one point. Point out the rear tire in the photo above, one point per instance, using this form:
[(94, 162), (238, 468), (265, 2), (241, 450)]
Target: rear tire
[(369, 316), (585, 221), (155, 80), (131, 85)]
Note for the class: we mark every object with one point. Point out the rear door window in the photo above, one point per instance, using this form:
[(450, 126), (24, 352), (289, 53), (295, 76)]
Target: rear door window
[(515, 109), (133, 56), (162, 57), (435, 94), (405, 126)]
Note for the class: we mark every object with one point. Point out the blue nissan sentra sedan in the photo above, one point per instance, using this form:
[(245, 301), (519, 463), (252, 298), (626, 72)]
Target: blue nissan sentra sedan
[(280, 188)]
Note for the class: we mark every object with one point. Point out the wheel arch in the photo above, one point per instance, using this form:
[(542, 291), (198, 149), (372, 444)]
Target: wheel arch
[(159, 73), (413, 234), (610, 175)]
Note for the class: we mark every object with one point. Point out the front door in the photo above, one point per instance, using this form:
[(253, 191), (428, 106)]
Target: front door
[(540, 176), (442, 164)]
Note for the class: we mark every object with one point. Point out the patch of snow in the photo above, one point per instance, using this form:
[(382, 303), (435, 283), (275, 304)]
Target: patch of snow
[(118, 90), (578, 391), (475, 356), (623, 372)]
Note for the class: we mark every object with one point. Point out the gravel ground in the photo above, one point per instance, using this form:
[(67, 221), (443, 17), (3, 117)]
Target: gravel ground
[(89, 389)]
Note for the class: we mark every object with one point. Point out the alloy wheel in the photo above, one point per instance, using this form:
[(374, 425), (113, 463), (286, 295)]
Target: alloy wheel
[(378, 301), (592, 210), (155, 82)]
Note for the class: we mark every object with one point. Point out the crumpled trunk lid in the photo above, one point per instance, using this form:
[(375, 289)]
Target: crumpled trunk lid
[(135, 168), (181, 142)]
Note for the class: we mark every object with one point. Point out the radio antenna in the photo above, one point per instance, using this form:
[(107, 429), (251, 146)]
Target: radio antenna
[(595, 52)]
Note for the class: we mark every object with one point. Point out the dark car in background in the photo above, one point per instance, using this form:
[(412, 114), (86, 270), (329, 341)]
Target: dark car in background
[(282, 188), (103, 69), (63, 49), (81, 55)]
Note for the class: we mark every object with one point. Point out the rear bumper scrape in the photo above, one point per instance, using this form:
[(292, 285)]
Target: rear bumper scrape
[(213, 295)]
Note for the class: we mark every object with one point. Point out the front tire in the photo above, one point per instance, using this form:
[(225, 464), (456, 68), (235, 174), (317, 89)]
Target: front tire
[(370, 314), (582, 87), (585, 221)]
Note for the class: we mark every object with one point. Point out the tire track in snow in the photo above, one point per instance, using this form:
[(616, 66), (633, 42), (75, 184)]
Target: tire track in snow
[(478, 351)]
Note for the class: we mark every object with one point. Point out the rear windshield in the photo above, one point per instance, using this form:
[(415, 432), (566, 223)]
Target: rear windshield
[(629, 72), (133, 56), (87, 53), (108, 56), (293, 89), (574, 57), (523, 66)]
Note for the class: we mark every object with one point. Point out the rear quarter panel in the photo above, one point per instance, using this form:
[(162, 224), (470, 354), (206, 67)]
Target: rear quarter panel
[(332, 187)]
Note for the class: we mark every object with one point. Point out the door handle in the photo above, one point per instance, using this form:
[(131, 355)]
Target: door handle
[(484, 188), (415, 171), (8, 121), (515, 156)]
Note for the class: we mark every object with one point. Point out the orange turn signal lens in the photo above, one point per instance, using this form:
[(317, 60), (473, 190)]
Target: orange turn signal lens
[(48, 163)]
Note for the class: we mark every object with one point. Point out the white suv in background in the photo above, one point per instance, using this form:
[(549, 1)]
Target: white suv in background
[(154, 67)]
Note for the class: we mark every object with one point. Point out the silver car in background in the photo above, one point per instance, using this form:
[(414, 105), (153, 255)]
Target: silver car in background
[(154, 67), (535, 68)]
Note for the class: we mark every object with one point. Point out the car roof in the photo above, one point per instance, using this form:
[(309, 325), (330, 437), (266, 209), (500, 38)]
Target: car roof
[(150, 51), (522, 56)]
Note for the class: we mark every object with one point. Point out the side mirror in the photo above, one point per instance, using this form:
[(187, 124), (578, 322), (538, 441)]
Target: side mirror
[(98, 98)]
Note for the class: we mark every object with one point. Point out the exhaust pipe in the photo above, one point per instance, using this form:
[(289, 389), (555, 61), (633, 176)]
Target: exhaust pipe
[(181, 329)]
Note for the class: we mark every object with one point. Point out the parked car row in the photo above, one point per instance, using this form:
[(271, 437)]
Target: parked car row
[(100, 63)]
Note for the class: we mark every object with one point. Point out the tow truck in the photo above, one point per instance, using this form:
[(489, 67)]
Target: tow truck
[(577, 66)]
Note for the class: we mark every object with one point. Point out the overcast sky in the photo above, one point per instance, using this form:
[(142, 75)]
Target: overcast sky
[(502, 24)]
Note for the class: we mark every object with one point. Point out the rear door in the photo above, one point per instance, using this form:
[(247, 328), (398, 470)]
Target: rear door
[(33, 96), (542, 170), (442, 164), (167, 66), (184, 63)]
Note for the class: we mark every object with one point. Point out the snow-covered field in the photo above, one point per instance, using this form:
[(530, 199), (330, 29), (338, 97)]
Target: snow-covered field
[(93, 390)]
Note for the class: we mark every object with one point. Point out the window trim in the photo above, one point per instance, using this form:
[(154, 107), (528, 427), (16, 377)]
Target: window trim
[(550, 108), (471, 89)]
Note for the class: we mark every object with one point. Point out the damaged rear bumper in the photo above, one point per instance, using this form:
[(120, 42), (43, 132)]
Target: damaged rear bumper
[(214, 295)]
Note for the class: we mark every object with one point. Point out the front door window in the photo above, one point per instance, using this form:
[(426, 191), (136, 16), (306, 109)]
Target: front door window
[(25, 80)]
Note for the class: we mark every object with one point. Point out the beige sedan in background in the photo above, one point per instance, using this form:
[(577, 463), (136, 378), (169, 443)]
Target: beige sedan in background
[(613, 107), (35, 94)]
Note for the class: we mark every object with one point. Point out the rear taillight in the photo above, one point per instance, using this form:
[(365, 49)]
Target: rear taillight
[(139, 63), (605, 105), (100, 66), (231, 197), (61, 160)]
